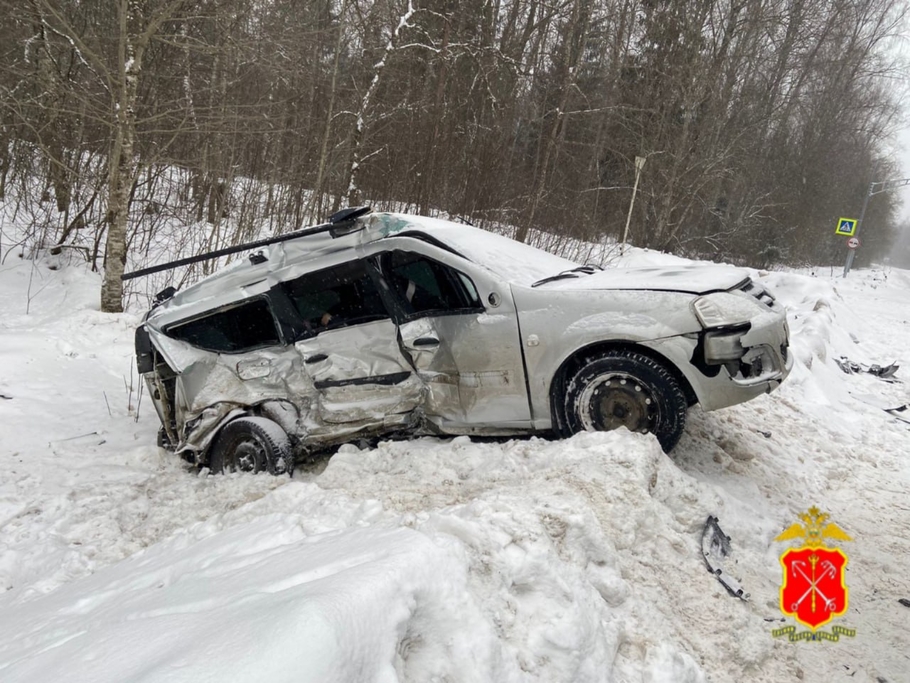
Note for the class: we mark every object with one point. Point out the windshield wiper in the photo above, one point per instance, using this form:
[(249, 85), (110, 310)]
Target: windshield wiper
[(585, 270)]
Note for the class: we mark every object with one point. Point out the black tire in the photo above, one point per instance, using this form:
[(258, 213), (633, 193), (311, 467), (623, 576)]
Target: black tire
[(164, 441), (252, 444), (626, 389)]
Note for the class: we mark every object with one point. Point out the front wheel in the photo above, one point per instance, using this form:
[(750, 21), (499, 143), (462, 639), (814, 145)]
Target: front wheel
[(252, 444), (626, 389)]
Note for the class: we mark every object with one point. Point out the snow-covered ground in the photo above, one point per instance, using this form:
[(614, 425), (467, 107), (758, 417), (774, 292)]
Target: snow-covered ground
[(435, 559)]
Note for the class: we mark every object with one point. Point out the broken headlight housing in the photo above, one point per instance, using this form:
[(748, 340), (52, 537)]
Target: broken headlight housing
[(726, 317), (724, 346)]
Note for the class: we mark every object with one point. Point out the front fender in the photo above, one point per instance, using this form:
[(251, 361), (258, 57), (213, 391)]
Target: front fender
[(557, 324)]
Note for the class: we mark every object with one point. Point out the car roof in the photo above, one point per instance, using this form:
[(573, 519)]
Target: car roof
[(243, 279)]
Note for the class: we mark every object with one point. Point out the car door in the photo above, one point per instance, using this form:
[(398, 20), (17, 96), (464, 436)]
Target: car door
[(468, 356), (350, 349)]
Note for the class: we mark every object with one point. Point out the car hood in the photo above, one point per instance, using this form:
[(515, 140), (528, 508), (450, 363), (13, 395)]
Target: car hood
[(695, 279)]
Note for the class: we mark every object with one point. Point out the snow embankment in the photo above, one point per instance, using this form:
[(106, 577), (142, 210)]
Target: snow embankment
[(449, 560)]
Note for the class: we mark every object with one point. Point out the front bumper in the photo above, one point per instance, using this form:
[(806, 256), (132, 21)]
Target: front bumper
[(764, 363)]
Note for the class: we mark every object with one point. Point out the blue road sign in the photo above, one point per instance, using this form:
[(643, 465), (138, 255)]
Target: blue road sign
[(846, 227)]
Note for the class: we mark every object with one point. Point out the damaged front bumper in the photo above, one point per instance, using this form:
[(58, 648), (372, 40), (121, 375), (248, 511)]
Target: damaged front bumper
[(754, 355), (744, 348)]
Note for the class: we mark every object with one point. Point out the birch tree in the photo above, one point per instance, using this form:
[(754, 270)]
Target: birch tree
[(364, 110), (135, 33)]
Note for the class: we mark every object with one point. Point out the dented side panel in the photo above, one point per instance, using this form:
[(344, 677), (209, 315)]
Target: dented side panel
[(211, 387), (360, 374), (476, 375)]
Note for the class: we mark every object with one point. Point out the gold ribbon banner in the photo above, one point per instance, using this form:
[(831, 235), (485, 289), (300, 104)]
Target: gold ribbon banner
[(794, 637)]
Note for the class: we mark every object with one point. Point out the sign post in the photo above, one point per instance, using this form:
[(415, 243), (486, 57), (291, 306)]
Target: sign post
[(639, 164), (883, 186), (851, 253)]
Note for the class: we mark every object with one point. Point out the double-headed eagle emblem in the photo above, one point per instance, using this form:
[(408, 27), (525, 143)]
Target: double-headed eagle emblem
[(814, 530)]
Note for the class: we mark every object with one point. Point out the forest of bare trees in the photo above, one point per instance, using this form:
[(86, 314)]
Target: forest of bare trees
[(760, 121)]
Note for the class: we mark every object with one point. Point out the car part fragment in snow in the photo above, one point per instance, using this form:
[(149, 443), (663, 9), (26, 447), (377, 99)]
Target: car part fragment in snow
[(715, 546), (901, 412), (852, 367)]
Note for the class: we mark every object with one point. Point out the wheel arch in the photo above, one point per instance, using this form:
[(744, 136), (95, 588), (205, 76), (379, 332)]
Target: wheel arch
[(580, 357), (204, 432), (275, 444)]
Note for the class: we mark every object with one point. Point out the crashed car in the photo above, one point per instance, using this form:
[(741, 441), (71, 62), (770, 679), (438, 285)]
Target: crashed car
[(390, 324)]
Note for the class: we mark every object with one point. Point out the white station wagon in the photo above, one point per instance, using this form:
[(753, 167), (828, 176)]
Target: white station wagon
[(381, 324)]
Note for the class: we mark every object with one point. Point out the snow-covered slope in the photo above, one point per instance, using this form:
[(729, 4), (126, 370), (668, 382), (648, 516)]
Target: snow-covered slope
[(446, 560)]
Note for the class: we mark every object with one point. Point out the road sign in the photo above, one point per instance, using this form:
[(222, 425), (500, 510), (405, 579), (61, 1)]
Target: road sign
[(846, 227), (853, 243)]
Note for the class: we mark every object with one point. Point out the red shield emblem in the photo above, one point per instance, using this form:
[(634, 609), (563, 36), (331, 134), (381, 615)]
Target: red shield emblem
[(813, 591)]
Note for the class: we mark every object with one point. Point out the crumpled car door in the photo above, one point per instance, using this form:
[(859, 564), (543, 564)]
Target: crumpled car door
[(469, 358), (350, 349), (360, 374)]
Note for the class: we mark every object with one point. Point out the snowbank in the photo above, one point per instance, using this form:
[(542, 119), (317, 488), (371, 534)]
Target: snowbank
[(448, 560)]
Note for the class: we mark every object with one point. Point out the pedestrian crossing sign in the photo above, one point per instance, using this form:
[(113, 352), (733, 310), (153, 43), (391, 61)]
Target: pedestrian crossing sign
[(846, 227)]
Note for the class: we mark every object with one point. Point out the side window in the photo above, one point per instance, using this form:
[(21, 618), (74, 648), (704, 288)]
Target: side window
[(427, 286), (244, 327), (337, 297)]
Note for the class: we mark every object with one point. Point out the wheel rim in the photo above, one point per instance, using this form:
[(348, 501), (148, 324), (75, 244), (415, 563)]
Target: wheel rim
[(618, 400), (249, 455)]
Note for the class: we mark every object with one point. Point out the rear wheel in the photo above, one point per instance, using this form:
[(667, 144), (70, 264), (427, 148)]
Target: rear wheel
[(164, 440), (626, 389), (252, 444)]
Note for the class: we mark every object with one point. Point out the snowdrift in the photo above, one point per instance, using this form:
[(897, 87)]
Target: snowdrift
[(449, 560)]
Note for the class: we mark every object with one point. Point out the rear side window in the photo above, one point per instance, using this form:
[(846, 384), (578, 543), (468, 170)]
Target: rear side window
[(337, 297), (240, 328)]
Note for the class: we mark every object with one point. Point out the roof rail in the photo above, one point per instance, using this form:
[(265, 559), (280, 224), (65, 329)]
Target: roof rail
[(343, 222)]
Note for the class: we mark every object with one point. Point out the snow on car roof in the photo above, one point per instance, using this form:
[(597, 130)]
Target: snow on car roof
[(514, 261)]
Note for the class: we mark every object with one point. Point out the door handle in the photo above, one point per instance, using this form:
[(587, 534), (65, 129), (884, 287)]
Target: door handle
[(316, 358), (426, 341)]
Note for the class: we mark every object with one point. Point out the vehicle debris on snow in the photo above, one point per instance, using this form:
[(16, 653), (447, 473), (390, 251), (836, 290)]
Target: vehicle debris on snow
[(715, 547), (852, 367)]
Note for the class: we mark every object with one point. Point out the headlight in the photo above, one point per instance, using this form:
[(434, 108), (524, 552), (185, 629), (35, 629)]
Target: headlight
[(723, 309), (723, 347)]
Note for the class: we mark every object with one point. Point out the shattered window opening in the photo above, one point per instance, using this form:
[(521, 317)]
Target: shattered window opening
[(337, 297), (240, 328)]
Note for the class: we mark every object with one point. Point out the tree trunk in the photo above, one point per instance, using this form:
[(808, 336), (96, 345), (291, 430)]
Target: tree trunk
[(355, 196), (122, 171), (315, 205)]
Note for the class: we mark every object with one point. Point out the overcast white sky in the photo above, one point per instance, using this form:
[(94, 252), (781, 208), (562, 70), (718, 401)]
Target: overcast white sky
[(902, 46), (904, 157)]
